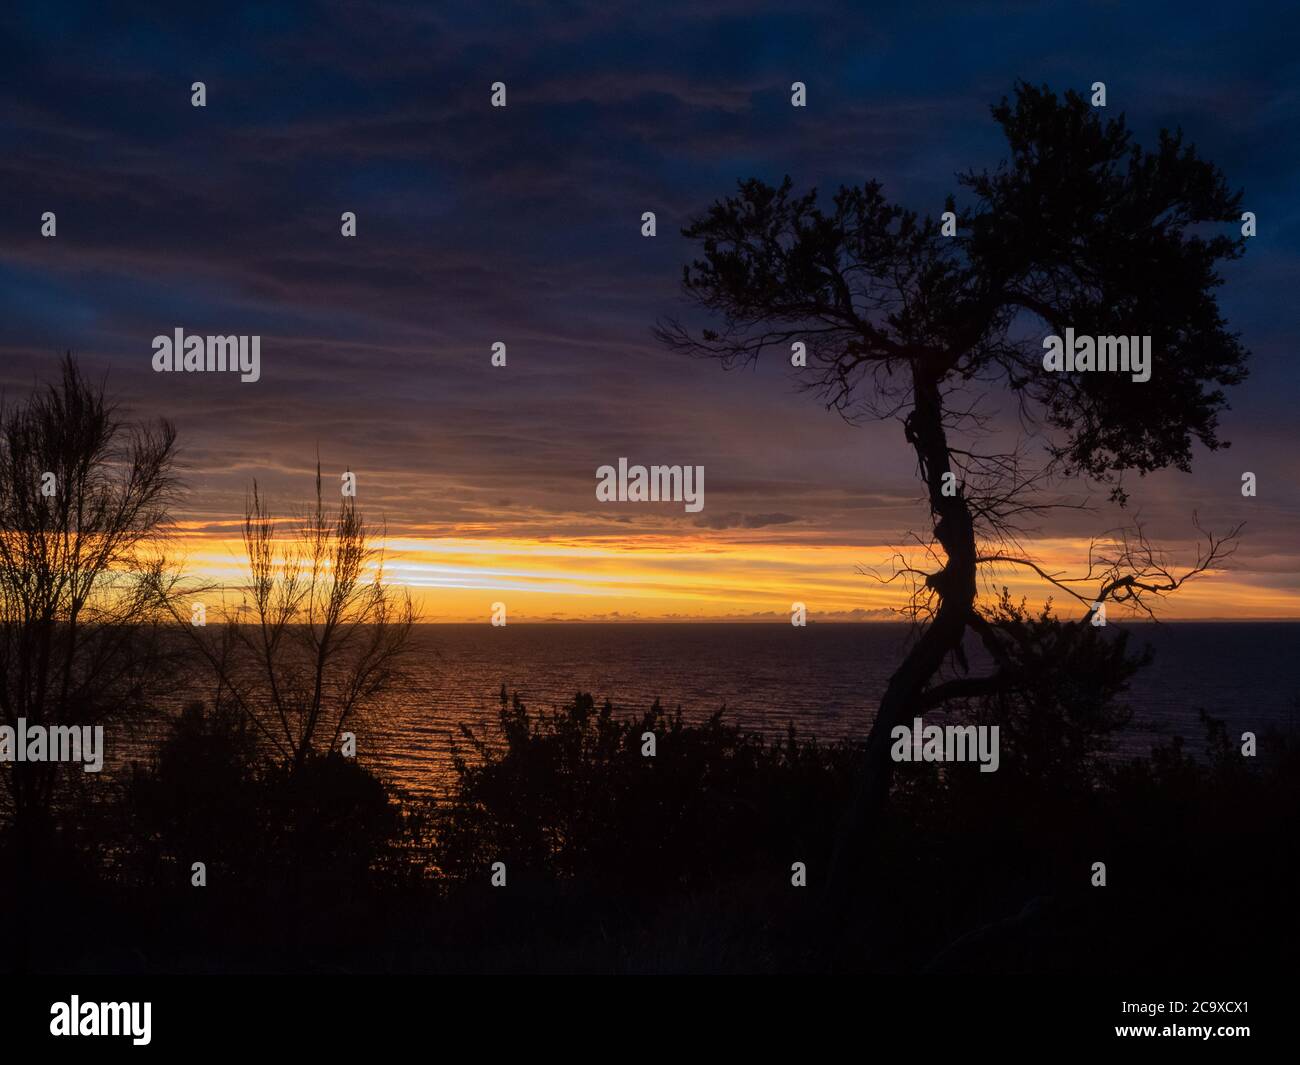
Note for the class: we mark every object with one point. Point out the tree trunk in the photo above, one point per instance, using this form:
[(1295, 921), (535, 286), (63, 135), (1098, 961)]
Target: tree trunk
[(955, 586)]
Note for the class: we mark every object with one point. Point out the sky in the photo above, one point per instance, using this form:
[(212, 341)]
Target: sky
[(522, 225)]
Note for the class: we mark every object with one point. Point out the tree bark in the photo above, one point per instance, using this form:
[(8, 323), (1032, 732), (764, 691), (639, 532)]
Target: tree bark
[(955, 585)]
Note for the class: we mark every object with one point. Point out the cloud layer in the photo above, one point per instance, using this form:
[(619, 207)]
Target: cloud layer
[(522, 226)]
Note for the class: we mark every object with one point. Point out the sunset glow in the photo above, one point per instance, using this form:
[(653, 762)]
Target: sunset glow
[(456, 579)]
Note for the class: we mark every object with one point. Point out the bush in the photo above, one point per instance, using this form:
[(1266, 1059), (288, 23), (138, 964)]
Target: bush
[(209, 796), (569, 794)]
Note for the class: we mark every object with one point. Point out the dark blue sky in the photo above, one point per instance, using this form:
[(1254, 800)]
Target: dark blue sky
[(522, 225)]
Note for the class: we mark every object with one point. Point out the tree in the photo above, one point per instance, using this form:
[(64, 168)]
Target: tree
[(316, 636), (1080, 228), (84, 499)]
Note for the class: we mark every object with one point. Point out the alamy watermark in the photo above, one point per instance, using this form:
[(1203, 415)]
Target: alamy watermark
[(946, 743), (102, 1018), (179, 353), (56, 743), (1108, 354), (640, 484)]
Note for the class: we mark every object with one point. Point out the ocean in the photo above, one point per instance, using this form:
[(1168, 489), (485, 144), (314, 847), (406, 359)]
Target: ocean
[(825, 679)]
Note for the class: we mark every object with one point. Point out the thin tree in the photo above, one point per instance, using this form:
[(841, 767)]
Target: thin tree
[(84, 498), (316, 636), (1078, 228)]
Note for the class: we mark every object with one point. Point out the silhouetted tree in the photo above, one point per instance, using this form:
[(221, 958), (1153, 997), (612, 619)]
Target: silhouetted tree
[(1079, 228), (84, 502), (316, 635), (84, 499)]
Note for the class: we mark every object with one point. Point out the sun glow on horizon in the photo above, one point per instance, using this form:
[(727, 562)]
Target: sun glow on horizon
[(698, 578)]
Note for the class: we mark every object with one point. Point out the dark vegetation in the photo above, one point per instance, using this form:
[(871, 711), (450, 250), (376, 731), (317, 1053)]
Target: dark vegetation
[(682, 861)]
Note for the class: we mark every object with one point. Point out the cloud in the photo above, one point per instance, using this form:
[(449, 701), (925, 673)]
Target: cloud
[(735, 520)]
